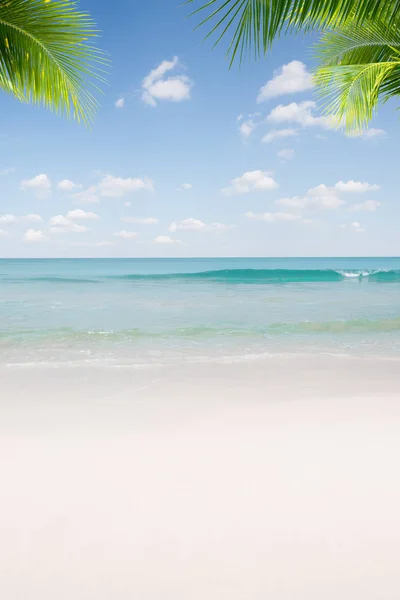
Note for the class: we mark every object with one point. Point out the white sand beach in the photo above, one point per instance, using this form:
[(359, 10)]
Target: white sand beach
[(274, 478)]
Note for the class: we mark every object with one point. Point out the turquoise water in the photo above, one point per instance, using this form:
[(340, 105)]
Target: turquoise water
[(142, 311)]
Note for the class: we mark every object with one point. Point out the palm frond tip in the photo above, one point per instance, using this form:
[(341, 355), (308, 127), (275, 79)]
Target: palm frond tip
[(48, 56)]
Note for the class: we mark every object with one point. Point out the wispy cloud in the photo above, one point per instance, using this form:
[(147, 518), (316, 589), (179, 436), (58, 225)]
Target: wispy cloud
[(34, 235), (197, 225), (11, 219), (319, 197), (140, 220), (113, 187), (7, 171), (119, 186), (367, 206), (166, 240), (289, 79), (272, 217), (126, 235), (286, 153), (66, 185), (40, 185), (300, 113), (61, 224), (356, 187), (251, 181), (328, 197), (367, 134), (354, 226), (81, 215), (184, 187), (277, 134), (156, 86), (88, 196)]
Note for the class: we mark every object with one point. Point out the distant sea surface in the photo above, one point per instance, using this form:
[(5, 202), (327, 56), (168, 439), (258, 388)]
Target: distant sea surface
[(141, 312)]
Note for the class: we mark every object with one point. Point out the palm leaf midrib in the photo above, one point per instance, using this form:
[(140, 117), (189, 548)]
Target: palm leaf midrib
[(45, 49)]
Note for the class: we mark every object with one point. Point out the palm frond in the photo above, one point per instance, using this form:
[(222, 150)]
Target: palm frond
[(351, 92), (375, 41), (255, 24), (48, 56), (359, 66)]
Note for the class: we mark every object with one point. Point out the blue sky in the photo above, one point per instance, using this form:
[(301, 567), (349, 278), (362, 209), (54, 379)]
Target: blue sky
[(264, 174)]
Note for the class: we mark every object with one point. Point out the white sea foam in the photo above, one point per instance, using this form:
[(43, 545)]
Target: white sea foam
[(354, 274)]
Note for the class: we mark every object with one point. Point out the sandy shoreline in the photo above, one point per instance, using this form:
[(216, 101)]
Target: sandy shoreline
[(270, 479)]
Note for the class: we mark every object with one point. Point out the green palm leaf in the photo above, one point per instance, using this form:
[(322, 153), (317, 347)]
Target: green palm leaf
[(375, 41), (255, 24), (358, 67), (351, 92), (48, 56), (359, 52)]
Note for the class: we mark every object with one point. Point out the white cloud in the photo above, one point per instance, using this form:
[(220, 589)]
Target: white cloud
[(88, 196), (118, 186), (127, 204), (286, 153), (247, 128), (221, 227), (251, 181), (34, 235), (196, 225), (81, 215), (249, 124), (278, 134), (290, 79), (355, 186), (367, 134), (300, 113), (323, 196), (126, 235), (8, 219), (66, 185), (140, 220), (184, 187), (166, 240), (61, 224), (120, 103), (103, 243), (71, 228), (40, 185), (354, 226), (239, 118), (32, 218), (7, 171), (59, 221), (188, 225), (270, 217), (367, 206), (3, 233), (156, 86), (319, 197)]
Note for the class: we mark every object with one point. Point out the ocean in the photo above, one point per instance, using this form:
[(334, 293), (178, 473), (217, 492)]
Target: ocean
[(200, 428), (141, 312)]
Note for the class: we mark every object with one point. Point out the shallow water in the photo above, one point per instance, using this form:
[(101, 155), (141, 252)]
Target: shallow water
[(137, 311)]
